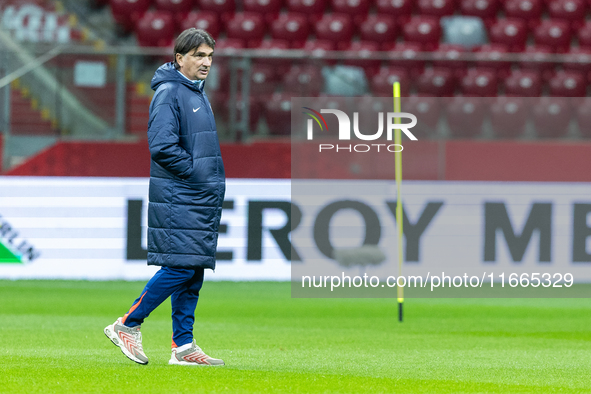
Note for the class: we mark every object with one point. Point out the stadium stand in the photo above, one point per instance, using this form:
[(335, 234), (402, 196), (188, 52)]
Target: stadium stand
[(391, 40)]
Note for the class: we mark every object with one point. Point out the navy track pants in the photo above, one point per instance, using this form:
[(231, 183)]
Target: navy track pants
[(182, 286)]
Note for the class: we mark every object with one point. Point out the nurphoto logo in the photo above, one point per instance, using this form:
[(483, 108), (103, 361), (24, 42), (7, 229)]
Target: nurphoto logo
[(392, 119)]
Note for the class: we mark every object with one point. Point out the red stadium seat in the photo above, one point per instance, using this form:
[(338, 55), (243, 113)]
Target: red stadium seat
[(465, 116), (489, 55), (427, 110), (583, 113), (303, 81), (268, 7), (508, 116), (274, 47), (381, 83), (362, 51), (179, 8), (530, 11), (568, 84), (337, 28), (205, 20), (357, 9), (552, 117), (509, 32), (479, 83), (436, 7), (553, 33), (263, 80), (156, 29), (368, 108), (277, 112), (436, 82), (572, 11), (224, 8), (379, 28), (292, 27), (318, 49), (229, 45), (128, 12), (400, 9), (423, 30), (584, 35), (536, 56), (485, 9), (579, 59), (246, 26), (404, 54), (447, 56), (313, 9), (524, 83)]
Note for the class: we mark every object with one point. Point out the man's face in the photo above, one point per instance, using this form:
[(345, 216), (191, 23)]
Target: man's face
[(196, 63)]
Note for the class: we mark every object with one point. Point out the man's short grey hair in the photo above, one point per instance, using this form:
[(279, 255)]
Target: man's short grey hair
[(191, 39)]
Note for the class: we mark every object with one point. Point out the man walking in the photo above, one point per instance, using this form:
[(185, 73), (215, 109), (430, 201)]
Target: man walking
[(187, 186)]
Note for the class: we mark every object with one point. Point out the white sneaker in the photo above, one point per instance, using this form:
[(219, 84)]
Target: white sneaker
[(128, 339), (193, 356)]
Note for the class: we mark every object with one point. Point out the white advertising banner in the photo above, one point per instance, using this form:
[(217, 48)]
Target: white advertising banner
[(95, 228)]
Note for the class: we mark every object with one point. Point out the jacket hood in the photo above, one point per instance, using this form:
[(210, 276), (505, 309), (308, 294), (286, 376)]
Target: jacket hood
[(168, 73)]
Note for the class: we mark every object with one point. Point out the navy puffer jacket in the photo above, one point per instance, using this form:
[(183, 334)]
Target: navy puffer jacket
[(187, 179)]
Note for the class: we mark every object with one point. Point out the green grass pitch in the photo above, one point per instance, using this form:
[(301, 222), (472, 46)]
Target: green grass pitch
[(52, 341)]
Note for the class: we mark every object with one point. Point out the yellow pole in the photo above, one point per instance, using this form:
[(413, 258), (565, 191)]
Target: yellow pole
[(398, 174)]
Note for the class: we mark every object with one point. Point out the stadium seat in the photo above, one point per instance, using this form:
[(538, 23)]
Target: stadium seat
[(156, 29), (479, 83), (269, 8), (313, 9), (551, 116), (178, 8), (485, 9), (128, 12), (246, 26), (584, 35), (553, 33), (229, 45), (381, 29), (303, 81), (572, 11), (436, 8), (404, 54), (524, 83), (538, 54), (579, 59), (381, 83), (277, 113), (423, 30), (509, 32), (583, 113), (529, 11), (337, 28), (399, 9), (427, 110), (568, 84), (205, 20), (357, 9), (369, 108), (508, 116), (488, 55), (224, 8), (292, 27), (281, 65), (447, 55), (465, 116), (362, 51), (263, 80), (436, 82)]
